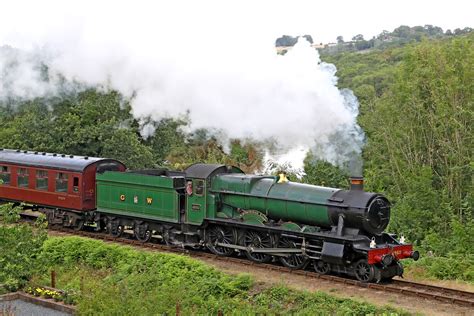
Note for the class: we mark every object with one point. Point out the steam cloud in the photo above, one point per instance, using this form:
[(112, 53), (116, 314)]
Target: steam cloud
[(236, 83)]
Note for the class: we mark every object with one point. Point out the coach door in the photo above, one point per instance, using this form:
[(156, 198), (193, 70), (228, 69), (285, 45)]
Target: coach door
[(195, 200)]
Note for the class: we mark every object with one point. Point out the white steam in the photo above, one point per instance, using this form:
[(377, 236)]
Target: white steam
[(222, 68)]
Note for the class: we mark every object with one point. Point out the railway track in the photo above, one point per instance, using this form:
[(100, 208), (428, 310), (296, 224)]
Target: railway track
[(402, 287)]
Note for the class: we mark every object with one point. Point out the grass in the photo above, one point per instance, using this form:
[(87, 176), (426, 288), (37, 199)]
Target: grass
[(119, 280)]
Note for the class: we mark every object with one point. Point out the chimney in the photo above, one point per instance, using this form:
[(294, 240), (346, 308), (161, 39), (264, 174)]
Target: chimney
[(357, 183)]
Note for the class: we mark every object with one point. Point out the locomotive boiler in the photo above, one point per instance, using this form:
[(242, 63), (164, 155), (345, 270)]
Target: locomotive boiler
[(323, 207)]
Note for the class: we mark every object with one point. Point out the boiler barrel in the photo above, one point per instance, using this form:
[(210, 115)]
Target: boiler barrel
[(303, 203), (296, 202)]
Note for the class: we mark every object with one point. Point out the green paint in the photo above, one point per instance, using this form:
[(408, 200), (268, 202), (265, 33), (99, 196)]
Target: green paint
[(145, 196), (288, 201), (196, 202)]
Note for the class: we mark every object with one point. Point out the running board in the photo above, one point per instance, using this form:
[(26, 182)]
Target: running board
[(261, 250)]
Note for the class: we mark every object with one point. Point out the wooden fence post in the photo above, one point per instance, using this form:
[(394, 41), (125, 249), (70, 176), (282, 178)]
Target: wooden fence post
[(53, 279)]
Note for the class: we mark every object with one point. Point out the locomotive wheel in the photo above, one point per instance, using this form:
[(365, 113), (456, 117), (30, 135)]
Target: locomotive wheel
[(254, 239), (364, 271), (292, 261), (222, 235), (114, 228), (142, 233), (321, 267)]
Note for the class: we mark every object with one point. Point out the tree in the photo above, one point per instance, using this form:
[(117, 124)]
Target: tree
[(309, 38), (340, 39), (385, 35), (87, 123), (422, 152), (125, 146), (320, 172), (403, 31), (358, 37), (286, 40), (246, 155), (168, 135)]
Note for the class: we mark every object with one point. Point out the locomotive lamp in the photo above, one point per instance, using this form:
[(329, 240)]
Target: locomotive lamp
[(373, 244)]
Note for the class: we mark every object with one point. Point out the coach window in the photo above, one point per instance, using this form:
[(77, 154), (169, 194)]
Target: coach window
[(5, 174), (199, 187), (42, 180), (75, 184), (23, 177), (61, 182)]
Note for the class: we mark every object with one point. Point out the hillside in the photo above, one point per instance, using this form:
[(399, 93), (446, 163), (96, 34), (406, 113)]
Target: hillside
[(417, 108)]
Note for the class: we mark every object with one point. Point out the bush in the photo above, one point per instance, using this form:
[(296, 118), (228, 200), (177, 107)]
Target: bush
[(20, 246), (118, 280), (454, 267)]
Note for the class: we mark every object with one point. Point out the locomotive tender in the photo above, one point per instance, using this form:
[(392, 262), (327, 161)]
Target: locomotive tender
[(219, 207)]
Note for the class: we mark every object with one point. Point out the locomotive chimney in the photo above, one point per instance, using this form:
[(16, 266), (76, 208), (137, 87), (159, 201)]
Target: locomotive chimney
[(357, 183)]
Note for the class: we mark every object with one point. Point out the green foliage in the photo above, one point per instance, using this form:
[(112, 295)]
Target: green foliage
[(20, 246), (443, 268), (323, 173), (426, 132), (417, 111), (9, 213), (90, 123), (282, 299), (167, 137), (400, 36), (246, 155), (118, 280)]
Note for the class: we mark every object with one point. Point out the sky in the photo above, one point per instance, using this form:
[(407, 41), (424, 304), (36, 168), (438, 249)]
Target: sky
[(23, 20)]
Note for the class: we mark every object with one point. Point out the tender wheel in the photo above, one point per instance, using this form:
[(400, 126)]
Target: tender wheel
[(220, 235), (255, 240), (292, 261), (321, 267), (114, 228), (142, 233), (364, 271)]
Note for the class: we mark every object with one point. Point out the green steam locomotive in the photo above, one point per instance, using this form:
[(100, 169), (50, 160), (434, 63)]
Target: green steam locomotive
[(265, 218)]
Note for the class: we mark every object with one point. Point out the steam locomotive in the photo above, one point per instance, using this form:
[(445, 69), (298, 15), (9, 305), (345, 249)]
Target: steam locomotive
[(218, 207)]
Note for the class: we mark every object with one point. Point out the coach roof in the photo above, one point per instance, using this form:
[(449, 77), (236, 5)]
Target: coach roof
[(49, 160)]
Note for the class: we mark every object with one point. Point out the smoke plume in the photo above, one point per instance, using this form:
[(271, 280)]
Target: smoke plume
[(223, 70)]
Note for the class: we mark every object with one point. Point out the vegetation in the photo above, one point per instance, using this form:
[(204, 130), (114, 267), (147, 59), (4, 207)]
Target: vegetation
[(417, 107), (20, 247), (400, 36)]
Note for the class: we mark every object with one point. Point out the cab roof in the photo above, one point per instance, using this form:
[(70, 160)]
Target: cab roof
[(204, 171)]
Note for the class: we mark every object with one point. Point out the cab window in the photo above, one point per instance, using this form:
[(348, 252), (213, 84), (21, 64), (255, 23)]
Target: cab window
[(199, 187)]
